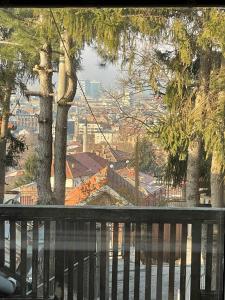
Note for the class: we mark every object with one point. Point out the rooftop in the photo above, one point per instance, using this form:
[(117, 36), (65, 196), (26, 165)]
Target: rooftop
[(83, 164)]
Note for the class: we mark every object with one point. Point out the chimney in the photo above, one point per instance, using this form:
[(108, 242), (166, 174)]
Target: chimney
[(85, 137)]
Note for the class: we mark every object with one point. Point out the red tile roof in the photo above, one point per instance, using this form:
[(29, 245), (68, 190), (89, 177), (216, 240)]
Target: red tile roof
[(105, 176), (80, 193), (83, 164)]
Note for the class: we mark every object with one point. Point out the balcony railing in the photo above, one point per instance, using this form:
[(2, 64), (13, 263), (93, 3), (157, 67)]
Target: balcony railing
[(114, 253)]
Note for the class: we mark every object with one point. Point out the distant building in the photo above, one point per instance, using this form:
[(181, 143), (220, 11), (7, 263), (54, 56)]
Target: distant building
[(126, 99), (27, 193), (95, 89), (99, 138), (117, 158), (73, 147), (90, 88), (70, 128), (26, 120), (91, 127)]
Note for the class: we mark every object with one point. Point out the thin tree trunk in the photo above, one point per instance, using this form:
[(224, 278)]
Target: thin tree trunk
[(45, 126), (66, 92), (3, 141), (217, 183), (137, 171)]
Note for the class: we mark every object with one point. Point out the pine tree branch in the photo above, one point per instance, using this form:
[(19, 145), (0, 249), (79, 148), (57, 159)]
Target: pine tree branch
[(10, 43)]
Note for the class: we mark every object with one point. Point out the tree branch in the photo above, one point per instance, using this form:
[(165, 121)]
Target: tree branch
[(10, 43), (28, 94)]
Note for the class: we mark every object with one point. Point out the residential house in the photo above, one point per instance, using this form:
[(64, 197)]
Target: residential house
[(27, 193), (104, 188), (155, 193), (117, 158), (73, 147), (80, 166), (116, 187)]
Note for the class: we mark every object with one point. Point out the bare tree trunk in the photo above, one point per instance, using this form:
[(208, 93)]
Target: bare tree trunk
[(193, 163), (45, 126), (60, 134), (217, 183), (66, 92), (137, 171), (3, 141), (217, 174)]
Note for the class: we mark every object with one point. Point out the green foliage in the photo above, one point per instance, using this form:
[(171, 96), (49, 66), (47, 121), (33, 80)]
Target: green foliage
[(16, 50), (204, 174), (108, 30), (192, 113), (149, 22), (147, 158), (116, 33), (30, 170), (171, 134), (31, 166), (175, 170), (214, 128), (213, 29), (182, 41), (195, 100), (15, 147)]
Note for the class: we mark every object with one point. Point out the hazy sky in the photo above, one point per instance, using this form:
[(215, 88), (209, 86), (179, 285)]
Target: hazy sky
[(92, 71)]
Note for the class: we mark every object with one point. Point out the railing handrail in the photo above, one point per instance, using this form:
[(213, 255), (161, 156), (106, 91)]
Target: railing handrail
[(85, 231), (110, 213)]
